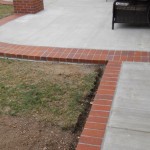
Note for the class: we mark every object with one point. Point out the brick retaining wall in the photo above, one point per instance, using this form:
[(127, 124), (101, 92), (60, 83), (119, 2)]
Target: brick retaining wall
[(28, 6)]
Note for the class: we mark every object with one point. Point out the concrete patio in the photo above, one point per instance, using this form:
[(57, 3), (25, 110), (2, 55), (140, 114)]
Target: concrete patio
[(75, 24)]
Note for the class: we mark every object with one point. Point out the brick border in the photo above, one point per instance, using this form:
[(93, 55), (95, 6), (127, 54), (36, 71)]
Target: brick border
[(11, 17), (93, 133), (5, 2), (71, 54)]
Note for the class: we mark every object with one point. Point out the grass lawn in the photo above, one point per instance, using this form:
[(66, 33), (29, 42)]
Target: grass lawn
[(6, 10), (43, 92)]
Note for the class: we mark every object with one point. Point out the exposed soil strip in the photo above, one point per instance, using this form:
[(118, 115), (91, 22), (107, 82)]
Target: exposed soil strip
[(83, 116)]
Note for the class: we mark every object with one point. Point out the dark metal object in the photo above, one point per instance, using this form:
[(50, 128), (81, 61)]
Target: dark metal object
[(134, 12)]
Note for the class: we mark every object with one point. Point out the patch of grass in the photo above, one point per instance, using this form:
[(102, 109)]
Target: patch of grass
[(6, 10), (51, 92)]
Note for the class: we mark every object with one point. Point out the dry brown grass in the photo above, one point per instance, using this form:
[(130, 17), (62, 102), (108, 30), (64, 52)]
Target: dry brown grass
[(52, 92), (6, 10)]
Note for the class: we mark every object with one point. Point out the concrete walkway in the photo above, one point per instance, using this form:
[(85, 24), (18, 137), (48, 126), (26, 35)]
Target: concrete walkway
[(75, 24), (129, 123)]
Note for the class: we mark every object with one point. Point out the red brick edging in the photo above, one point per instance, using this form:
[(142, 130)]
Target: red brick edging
[(71, 54), (9, 18), (93, 132), (5, 2)]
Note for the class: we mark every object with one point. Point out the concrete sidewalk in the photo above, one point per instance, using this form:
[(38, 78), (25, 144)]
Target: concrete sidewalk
[(129, 123), (75, 24)]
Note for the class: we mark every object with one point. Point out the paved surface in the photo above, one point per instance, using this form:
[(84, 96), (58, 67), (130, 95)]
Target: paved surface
[(75, 24), (129, 123)]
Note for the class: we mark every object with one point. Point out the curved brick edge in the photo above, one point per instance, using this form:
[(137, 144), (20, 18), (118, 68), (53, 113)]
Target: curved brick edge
[(3, 2), (71, 54), (52, 54), (93, 133), (10, 18)]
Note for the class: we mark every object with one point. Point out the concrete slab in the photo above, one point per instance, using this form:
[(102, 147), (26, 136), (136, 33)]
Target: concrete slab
[(129, 121), (75, 24), (121, 139)]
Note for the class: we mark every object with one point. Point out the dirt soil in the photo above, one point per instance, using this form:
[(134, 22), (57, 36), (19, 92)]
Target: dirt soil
[(28, 132)]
